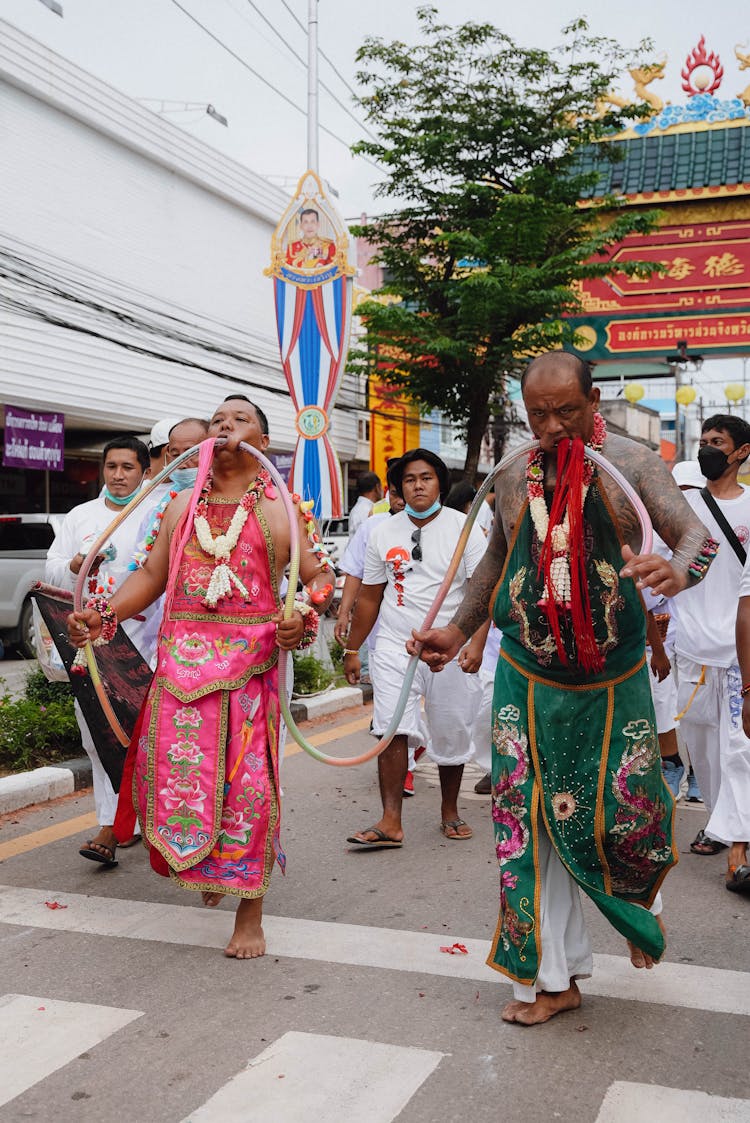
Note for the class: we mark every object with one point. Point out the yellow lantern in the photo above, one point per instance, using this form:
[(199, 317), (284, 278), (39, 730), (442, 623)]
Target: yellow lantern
[(685, 395), (634, 392), (734, 392)]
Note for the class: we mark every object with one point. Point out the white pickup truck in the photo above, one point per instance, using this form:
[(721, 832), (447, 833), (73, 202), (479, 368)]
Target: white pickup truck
[(24, 541)]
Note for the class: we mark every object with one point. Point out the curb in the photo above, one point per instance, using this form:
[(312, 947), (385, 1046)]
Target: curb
[(42, 784), (330, 702), (22, 789)]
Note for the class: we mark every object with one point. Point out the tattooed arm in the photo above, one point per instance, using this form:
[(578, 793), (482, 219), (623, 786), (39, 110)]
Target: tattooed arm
[(672, 516)]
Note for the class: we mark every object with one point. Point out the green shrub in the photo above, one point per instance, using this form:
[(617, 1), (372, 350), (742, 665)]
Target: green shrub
[(38, 728), (40, 689), (310, 675), (337, 654)]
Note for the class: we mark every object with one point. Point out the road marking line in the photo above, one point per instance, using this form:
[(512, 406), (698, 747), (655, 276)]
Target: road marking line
[(625, 1102), (31, 841), (304, 1076), (70, 827), (670, 984), (328, 735), (40, 1035)]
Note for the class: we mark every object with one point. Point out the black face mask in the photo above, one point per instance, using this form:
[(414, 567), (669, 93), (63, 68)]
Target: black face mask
[(713, 462)]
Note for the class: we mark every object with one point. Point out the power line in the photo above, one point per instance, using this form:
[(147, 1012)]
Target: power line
[(303, 60), (265, 81), (330, 61)]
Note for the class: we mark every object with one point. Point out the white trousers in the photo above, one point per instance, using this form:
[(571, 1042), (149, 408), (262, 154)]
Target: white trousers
[(450, 702), (719, 750), (105, 796), (566, 945), (664, 695), (481, 732)]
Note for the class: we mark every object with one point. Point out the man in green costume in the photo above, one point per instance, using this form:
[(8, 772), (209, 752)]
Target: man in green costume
[(577, 792)]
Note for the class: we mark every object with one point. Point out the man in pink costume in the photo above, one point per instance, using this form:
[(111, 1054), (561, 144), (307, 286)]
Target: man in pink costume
[(204, 754)]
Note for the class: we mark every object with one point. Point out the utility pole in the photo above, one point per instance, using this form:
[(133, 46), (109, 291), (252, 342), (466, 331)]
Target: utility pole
[(312, 85)]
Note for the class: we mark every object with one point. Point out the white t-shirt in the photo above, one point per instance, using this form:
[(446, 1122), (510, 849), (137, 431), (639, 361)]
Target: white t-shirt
[(410, 586), (485, 518), (80, 528), (359, 512), (353, 557), (353, 560), (706, 613), (745, 579)]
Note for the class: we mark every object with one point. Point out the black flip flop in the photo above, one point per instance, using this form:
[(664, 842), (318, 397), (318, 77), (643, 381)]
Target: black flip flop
[(380, 842), (704, 846), (739, 880), (93, 855)]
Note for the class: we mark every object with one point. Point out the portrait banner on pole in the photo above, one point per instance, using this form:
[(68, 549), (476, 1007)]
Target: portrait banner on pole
[(312, 277)]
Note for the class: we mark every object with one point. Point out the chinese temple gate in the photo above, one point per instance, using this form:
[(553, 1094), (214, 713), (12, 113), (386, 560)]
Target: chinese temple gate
[(692, 163)]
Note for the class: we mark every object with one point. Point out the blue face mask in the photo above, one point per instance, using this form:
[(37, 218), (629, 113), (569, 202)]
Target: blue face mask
[(120, 500), (433, 510), (184, 478)]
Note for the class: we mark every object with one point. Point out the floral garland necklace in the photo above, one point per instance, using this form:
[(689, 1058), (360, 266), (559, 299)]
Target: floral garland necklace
[(560, 533), (221, 547)]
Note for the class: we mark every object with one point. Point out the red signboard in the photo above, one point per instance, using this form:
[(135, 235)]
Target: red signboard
[(707, 266), (660, 334)]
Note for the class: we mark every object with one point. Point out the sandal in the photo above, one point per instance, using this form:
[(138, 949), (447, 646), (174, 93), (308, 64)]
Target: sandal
[(706, 846), (98, 852), (738, 880), (450, 828)]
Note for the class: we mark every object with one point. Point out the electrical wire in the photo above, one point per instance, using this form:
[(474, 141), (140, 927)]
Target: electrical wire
[(276, 90), (148, 333), (300, 58), (330, 62)]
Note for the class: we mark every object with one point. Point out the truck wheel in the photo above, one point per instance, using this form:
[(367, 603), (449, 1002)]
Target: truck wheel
[(26, 644)]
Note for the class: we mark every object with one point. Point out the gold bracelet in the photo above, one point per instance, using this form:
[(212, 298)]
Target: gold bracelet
[(351, 651)]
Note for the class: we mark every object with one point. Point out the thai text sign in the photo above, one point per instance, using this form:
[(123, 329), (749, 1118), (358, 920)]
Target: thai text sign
[(704, 266), (660, 333), (641, 337), (33, 439)]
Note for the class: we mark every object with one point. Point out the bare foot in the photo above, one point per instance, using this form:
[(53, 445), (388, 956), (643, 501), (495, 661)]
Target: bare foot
[(640, 958), (211, 900), (544, 1008), (248, 941)]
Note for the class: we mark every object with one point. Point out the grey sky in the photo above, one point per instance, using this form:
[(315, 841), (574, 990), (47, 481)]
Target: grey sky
[(150, 49)]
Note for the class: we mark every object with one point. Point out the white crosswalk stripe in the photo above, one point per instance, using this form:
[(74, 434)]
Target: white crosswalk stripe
[(40, 1035), (670, 984), (626, 1102), (304, 1076)]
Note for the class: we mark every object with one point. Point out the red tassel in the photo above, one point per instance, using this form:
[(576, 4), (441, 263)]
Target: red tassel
[(568, 495)]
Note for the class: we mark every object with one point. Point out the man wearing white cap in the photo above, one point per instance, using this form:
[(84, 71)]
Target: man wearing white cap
[(687, 474), (158, 443)]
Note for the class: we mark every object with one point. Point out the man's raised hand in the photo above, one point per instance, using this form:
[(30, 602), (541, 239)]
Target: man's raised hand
[(651, 571)]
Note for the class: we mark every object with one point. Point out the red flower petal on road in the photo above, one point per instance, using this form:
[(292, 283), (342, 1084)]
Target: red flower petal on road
[(456, 949), (55, 905)]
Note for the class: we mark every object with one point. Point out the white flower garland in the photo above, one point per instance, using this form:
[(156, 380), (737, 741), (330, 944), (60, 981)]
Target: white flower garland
[(221, 547)]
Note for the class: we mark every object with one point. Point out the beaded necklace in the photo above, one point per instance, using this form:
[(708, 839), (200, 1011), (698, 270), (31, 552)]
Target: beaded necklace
[(220, 548)]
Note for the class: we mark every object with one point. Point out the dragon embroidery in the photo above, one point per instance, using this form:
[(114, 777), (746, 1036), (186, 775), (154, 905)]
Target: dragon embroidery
[(542, 647), (612, 601), (639, 845)]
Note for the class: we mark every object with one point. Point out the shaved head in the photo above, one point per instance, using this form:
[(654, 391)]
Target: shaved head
[(563, 362)]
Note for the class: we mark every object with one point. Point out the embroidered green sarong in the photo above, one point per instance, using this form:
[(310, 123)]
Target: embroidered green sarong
[(580, 749)]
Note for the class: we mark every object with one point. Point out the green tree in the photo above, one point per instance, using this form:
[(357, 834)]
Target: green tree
[(484, 240)]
